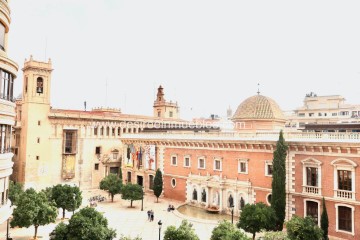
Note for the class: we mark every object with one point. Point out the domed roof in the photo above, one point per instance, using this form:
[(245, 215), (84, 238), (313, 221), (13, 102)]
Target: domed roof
[(258, 107)]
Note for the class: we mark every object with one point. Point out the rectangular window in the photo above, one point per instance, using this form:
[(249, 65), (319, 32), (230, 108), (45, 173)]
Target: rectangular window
[(128, 177), (268, 168), (115, 155), (187, 162), (113, 131), (217, 164), (37, 157), (334, 114), (312, 210), (344, 180), (345, 218), (96, 167), (70, 141), (301, 114), (174, 160), (38, 140), (170, 114), (311, 114), (95, 131), (311, 176), (98, 150), (242, 167), (201, 163), (39, 123)]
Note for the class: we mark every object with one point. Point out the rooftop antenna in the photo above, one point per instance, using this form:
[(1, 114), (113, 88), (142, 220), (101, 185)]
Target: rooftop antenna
[(106, 87), (258, 92), (45, 48)]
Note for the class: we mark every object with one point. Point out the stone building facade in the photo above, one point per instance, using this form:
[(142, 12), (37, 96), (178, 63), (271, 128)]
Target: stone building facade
[(220, 170), (8, 71)]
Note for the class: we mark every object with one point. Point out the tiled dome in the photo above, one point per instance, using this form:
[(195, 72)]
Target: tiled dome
[(258, 107)]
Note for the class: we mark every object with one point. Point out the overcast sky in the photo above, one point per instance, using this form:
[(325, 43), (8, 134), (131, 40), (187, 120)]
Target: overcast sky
[(208, 55)]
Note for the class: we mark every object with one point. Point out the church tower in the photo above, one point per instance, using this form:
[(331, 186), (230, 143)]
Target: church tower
[(35, 129), (163, 109)]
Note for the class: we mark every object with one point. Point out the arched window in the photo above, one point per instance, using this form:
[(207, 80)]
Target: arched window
[(39, 85), (231, 201), (194, 197), (203, 196)]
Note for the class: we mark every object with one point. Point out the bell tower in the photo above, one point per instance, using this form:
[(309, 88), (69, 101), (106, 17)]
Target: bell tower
[(37, 79), (163, 109)]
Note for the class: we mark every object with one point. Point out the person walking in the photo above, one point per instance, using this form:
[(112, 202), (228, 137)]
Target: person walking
[(149, 215), (152, 216)]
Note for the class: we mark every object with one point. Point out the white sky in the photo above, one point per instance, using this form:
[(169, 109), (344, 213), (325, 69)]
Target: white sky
[(207, 54)]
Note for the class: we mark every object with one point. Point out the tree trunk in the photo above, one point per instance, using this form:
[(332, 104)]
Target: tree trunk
[(254, 236), (63, 213), (157, 199), (36, 228), (131, 203), (112, 197)]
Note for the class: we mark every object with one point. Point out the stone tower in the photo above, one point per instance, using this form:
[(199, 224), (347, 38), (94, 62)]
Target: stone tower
[(33, 158), (163, 109)]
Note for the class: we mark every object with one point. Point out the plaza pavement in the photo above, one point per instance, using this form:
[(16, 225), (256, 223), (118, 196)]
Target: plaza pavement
[(127, 221)]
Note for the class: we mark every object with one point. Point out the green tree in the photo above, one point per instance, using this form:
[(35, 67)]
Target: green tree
[(184, 232), (275, 236), (227, 231), (66, 197), (111, 183), (324, 222), (132, 192), (122, 237), (83, 225), (278, 197), (33, 209), (15, 191), (158, 184), (256, 217), (48, 193), (303, 229)]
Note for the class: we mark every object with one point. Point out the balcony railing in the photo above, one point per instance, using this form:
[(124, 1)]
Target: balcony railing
[(312, 190), (344, 194)]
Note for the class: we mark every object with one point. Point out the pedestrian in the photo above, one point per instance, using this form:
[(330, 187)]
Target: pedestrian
[(152, 215), (149, 215)]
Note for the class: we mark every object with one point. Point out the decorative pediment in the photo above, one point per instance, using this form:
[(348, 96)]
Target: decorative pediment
[(344, 162), (311, 161)]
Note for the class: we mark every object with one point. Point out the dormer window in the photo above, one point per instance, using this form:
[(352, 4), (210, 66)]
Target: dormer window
[(39, 85)]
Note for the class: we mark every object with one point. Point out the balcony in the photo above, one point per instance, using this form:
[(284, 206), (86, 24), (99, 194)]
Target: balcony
[(344, 194), (312, 190)]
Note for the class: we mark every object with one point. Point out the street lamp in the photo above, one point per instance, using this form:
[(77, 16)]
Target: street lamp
[(74, 196), (159, 223), (142, 199), (7, 230), (232, 214)]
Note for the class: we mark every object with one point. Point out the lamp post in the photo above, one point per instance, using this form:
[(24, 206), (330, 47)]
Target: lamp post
[(159, 223), (7, 229), (74, 196), (142, 199), (232, 214)]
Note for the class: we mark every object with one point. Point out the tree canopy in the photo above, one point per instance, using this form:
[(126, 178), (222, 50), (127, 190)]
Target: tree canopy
[(132, 192), (257, 217), (33, 209), (184, 232), (158, 184), (111, 183), (83, 225), (278, 197), (66, 197), (15, 191), (225, 230), (299, 228)]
